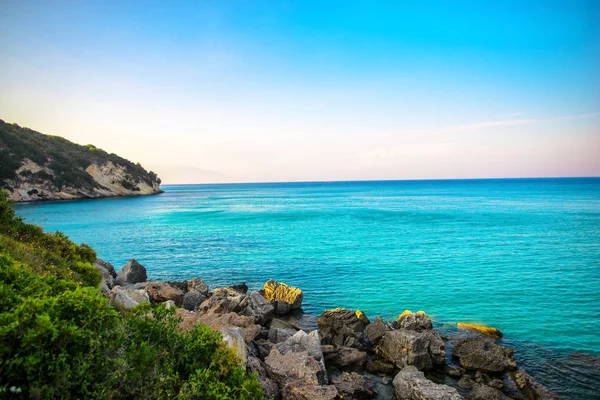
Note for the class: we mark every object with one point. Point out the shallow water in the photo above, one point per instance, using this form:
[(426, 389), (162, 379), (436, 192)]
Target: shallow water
[(521, 255)]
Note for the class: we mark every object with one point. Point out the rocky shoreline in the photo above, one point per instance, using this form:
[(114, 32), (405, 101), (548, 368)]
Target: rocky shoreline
[(348, 356)]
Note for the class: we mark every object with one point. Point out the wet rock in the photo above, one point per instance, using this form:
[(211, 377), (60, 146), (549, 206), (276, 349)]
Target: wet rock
[(481, 354), (234, 337), (531, 388), (418, 321), (352, 386), (259, 308), (269, 386), (378, 365), (99, 263), (483, 392), (411, 384), (161, 291), (404, 347), (342, 327), (346, 358), (375, 331), (283, 297), (219, 322), (132, 272), (192, 300), (454, 371)]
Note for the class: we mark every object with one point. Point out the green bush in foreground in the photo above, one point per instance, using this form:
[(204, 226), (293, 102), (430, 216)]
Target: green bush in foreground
[(60, 338)]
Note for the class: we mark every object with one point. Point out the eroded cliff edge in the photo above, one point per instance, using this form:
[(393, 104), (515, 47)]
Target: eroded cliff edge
[(37, 167)]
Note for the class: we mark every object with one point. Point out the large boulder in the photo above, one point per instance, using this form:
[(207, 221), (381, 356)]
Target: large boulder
[(126, 299), (302, 342), (531, 388), (411, 384), (481, 354), (283, 297), (99, 263), (108, 280), (234, 337), (193, 299), (278, 335), (197, 284), (375, 331), (418, 321), (352, 386), (298, 376), (223, 301), (132, 272), (161, 291), (259, 308), (404, 347), (345, 358), (269, 386), (483, 392), (341, 327), (219, 322)]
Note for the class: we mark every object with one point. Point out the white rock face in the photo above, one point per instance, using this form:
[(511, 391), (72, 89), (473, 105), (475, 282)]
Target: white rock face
[(113, 180)]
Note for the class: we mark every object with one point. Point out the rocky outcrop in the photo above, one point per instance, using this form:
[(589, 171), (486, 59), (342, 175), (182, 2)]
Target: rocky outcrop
[(375, 331), (352, 386), (283, 297), (341, 327), (481, 354), (411, 384), (160, 292), (404, 347), (132, 272), (259, 308), (418, 321), (41, 167)]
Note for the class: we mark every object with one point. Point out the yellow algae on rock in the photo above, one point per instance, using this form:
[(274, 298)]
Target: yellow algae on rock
[(486, 330), (280, 292), (404, 314), (338, 309)]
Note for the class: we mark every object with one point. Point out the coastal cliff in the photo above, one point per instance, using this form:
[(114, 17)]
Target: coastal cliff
[(42, 167)]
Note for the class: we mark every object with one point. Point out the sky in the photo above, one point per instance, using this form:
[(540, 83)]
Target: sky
[(257, 91)]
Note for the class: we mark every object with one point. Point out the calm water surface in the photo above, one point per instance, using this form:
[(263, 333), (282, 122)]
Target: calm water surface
[(521, 255)]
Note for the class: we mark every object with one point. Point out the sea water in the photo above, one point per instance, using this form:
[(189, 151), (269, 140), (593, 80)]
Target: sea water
[(522, 255)]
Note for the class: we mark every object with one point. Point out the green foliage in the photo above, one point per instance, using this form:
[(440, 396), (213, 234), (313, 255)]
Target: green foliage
[(67, 160), (60, 338)]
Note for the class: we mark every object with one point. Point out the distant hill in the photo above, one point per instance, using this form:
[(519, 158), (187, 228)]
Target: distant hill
[(34, 166)]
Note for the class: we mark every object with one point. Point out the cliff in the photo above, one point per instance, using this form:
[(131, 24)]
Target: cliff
[(42, 167)]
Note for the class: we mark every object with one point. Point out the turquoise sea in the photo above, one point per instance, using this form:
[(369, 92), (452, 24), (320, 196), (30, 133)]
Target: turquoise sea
[(522, 255)]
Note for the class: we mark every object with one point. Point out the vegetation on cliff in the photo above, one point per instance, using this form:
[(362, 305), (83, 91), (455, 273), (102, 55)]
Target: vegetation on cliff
[(63, 163), (60, 338)]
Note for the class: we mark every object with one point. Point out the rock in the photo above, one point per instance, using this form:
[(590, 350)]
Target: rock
[(352, 386), (170, 304), (188, 319), (481, 354), (198, 285), (234, 337), (418, 321), (531, 388), (411, 384), (277, 335), (160, 292), (269, 386), (108, 280), (405, 347), (342, 327), (346, 358), (241, 288), (259, 308), (192, 300), (132, 272), (454, 371), (298, 376), (375, 331), (302, 342), (378, 365), (281, 324), (125, 300), (483, 392), (488, 331), (99, 263), (219, 322), (264, 347), (224, 300), (283, 297)]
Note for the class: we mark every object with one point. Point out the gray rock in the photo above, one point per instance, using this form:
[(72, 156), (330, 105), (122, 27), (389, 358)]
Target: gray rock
[(234, 337), (241, 288), (199, 285), (418, 321), (170, 304), (378, 365), (375, 331), (277, 335), (132, 272), (531, 388), (346, 359), (483, 392), (404, 347), (125, 300), (192, 300), (302, 342), (223, 301), (480, 353), (411, 384), (454, 371), (342, 327), (282, 324), (106, 265), (259, 308), (352, 386), (108, 280), (269, 386)]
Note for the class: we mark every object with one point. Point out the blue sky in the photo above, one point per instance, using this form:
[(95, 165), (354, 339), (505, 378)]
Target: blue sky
[(275, 91)]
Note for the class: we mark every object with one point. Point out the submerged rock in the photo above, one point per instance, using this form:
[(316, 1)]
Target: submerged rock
[(132, 272), (411, 384), (486, 330), (342, 327), (283, 297), (481, 354), (352, 386)]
